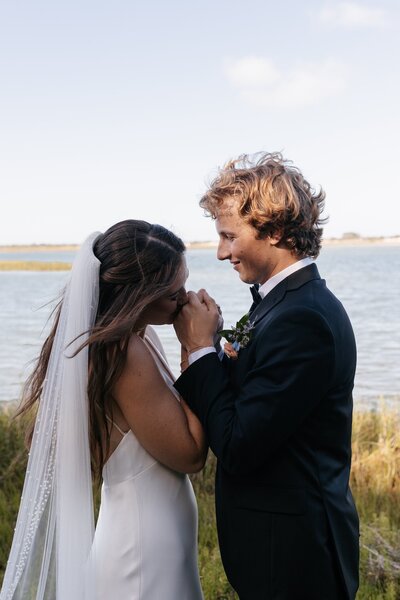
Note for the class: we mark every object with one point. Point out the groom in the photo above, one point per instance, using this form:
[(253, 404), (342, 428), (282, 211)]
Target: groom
[(278, 411)]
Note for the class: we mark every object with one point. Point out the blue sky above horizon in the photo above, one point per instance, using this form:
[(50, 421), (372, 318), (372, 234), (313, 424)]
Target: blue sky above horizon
[(125, 109)]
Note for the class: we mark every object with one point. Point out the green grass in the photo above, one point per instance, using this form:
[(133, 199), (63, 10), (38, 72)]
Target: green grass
[(375, 485)]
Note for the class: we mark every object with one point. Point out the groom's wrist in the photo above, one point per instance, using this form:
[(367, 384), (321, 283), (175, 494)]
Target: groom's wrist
[(196, 348), (205, 344)]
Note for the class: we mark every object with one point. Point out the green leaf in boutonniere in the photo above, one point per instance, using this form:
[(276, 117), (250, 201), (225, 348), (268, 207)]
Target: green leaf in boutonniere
[(238, 337)]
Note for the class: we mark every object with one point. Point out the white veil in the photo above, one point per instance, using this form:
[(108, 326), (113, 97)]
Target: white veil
[(50, 553)]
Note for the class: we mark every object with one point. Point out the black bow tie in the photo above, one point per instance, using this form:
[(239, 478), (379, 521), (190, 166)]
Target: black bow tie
[(256, 294)]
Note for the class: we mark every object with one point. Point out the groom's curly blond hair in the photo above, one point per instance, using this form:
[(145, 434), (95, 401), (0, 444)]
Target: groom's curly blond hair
[(273, 196)]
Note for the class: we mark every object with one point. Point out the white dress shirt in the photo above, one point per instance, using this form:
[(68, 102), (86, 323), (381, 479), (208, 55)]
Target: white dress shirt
[(263, 290)]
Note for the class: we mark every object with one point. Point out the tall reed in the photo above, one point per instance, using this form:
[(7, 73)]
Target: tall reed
[(375, 481)]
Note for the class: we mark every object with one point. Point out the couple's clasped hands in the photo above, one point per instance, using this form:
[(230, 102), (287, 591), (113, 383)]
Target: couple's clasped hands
[(197, 324)]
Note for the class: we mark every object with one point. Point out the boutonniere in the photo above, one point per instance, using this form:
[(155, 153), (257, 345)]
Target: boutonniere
[(237, 337)]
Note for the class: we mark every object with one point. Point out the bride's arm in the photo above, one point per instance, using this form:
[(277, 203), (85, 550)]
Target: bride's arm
[(167, 429), (196, 429)]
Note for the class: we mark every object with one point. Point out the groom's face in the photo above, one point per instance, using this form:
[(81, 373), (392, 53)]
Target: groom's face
[(254, 259)]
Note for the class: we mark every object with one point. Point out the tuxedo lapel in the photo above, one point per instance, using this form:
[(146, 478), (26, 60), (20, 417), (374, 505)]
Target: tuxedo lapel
[(270, 300), (277, 294)]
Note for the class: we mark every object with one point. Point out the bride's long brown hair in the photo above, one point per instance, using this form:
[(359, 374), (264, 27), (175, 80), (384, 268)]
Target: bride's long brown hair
[(139, 263)]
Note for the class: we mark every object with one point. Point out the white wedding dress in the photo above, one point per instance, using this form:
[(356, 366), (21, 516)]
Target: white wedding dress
[(145, 544)]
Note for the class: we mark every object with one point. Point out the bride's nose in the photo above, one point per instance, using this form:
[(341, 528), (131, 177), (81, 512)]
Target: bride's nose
[(182, 298)]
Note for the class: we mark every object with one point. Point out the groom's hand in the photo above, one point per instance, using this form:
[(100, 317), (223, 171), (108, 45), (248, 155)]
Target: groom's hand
[(197, 321)]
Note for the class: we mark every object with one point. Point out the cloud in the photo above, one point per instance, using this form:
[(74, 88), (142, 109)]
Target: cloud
[(260, 83), (252, 71), (352, 15)]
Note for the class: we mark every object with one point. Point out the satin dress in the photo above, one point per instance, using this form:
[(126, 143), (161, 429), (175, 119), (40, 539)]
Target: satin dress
[(145, 544)]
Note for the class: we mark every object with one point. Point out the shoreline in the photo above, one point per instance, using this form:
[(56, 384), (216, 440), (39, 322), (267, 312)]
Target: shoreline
[(351, 241), (354, 242), (43, 264), (17, 248)]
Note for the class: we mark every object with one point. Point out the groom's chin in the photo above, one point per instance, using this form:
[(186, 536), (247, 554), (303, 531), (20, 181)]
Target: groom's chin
[(245, 279)]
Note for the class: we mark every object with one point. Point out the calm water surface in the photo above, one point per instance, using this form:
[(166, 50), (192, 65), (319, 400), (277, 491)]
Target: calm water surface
[(365, 279)]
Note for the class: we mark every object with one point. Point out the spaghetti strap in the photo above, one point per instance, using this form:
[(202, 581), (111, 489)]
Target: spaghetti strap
[(161, 358), (116, 426)]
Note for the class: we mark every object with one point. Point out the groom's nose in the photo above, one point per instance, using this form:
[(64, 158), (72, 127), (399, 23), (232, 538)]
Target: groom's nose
[(223, 251)]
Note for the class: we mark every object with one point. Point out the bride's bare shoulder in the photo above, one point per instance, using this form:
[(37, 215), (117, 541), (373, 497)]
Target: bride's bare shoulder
[(140, 378), (152, 335), (139, 361)]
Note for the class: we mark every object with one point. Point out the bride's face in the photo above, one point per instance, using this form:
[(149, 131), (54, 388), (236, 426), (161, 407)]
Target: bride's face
[(164, 310)]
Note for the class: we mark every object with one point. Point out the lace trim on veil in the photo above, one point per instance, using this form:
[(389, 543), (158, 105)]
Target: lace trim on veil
[(50, 553)]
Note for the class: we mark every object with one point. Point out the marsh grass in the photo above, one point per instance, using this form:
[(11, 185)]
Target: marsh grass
[(375, 483), (33, 265), (12, 468)]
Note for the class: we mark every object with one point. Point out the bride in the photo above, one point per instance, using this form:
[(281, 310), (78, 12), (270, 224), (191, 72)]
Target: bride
[(105, 407)]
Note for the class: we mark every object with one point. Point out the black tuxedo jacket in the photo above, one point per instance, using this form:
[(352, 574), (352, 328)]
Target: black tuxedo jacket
[(279, 421)]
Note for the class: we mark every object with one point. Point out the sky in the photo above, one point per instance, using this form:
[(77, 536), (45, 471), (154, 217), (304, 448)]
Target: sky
[(126, 109)]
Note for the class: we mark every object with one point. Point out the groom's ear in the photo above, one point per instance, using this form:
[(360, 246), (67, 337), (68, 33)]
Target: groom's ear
[(275, 238)]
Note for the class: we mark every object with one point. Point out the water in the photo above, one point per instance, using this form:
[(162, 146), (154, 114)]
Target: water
[(366, 279)]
